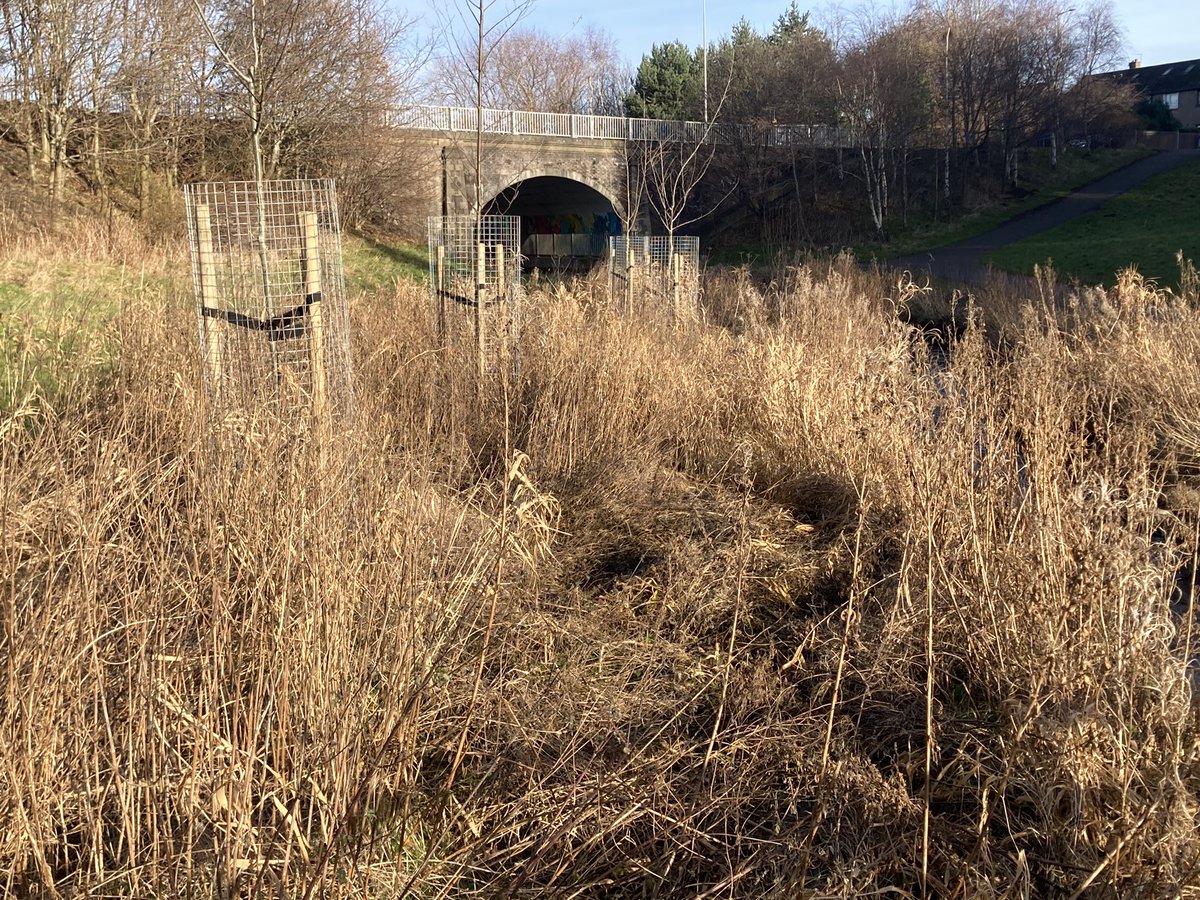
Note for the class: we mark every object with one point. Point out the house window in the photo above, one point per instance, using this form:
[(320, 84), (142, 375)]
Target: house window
[(1171, 100)]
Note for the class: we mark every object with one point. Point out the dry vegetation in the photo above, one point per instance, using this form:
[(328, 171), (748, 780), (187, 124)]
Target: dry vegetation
[(773, 605)]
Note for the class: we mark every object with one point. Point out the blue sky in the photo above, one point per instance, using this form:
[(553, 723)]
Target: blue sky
[(1157, 31)]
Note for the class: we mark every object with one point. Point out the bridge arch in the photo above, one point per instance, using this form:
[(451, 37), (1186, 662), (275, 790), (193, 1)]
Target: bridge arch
[(566, 218), (493, 188)]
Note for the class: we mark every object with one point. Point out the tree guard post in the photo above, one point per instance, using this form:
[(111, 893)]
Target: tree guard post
[(273, 329), (480, 299), (208, 299), (608, 260), (476, 259), (630, 268), (500, 286), (674, 267), (441, 290), (502, 297), (311, 261), (650, 274)]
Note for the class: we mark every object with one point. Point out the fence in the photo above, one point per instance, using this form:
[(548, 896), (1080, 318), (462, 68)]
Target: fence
[(644, 270), (1167, 140), (270, 298), (475, 266), (613, 128)]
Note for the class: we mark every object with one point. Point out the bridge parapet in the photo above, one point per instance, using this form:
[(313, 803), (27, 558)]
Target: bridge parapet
[(525, 123)]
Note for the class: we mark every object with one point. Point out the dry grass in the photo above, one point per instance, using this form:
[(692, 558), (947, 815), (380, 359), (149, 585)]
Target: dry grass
[(766, 605)]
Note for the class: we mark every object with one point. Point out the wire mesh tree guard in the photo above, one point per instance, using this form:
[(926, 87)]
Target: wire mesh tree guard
[(475, 274), (658, 270), (270, 298)]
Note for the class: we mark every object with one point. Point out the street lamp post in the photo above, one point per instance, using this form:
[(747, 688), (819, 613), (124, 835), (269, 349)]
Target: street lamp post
[(704, 38)]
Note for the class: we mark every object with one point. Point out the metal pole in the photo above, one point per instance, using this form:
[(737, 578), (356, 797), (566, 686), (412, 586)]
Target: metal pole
[(704, 38)]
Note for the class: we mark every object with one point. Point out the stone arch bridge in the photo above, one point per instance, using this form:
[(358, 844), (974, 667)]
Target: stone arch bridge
[(563, 174)]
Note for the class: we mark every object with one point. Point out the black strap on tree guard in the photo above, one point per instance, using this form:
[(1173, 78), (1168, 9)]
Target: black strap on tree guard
[(466, 301), (288, 324)]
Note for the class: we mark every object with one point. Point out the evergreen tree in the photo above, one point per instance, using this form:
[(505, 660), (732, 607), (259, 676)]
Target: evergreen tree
[(666, 83)]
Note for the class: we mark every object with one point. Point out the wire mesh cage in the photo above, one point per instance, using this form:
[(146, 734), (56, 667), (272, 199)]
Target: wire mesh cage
[(655, 269), (475, 276), (270, 297)]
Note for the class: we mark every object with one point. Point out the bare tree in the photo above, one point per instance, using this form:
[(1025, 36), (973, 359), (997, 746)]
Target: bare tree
[(885, 99), (1096, 45), (475, 31), (674, 164), (20, 27), (672, 168), (530, 69), (48, 44), (105, 46), (1008, 67), (148, 82), (295, 67), (288, 59)]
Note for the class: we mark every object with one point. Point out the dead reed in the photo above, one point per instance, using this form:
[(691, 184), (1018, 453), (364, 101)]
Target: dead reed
[(766, 604)]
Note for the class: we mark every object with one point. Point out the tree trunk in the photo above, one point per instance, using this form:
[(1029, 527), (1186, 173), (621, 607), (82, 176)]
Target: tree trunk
[(98, 179), (143, 184), (271, 166), (58, 153), (45, 138)]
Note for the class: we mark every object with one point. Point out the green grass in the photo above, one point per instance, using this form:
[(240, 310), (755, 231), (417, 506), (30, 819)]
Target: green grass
[(1143, 228), (57, 310), (56, 322), (1075, 169), (372, 265), (36, 289), (13, 296)]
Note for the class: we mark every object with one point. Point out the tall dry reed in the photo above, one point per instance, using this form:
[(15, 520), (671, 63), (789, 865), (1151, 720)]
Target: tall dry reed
[(773, 602)]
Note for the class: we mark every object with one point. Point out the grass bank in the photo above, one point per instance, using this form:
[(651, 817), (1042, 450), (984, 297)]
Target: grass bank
[(749, 603), (1145, 228), (1043, 185)]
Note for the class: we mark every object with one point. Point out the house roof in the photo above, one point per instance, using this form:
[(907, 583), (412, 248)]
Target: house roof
[(1169, 78)]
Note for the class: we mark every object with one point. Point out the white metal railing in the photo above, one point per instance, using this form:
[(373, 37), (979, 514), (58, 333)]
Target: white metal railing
[(611, 128)]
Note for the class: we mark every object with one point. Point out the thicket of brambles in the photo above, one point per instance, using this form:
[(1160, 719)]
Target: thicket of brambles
[(781, 600)]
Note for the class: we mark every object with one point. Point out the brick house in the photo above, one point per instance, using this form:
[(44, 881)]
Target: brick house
[(1176, 84)]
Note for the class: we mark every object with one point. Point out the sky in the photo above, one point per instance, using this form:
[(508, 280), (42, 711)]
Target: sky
[(1156, 31)]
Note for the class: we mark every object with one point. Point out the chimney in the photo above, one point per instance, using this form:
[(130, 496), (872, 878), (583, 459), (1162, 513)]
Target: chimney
[(1135, 64)]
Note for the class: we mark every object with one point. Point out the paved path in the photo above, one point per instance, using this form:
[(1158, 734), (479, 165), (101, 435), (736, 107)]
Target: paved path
[(963, 261)]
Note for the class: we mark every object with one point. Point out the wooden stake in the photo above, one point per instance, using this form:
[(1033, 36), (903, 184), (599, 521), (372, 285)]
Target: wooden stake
[(500, 285), (675, 285), (480, 299), (214, 347), (311, 257), (441, 290), (630, 260), (502, 296), (608, 259)]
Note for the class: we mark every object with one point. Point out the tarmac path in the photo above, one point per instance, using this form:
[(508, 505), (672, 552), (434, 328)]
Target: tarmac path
[(963, 261)]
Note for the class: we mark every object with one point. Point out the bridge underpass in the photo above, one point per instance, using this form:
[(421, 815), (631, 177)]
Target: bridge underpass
[(556, 171), (565, 224)]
